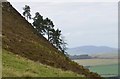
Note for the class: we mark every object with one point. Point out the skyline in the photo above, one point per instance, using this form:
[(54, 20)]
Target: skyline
[(82, 23)]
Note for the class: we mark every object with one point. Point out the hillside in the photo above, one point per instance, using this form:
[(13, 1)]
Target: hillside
[(19, 37), (16, 66)]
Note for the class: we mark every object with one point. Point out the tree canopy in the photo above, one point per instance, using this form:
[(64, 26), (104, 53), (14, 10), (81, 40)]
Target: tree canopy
[(26, 12), (46, 27), (38, 23)]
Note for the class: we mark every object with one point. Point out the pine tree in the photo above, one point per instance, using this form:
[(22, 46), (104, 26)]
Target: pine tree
[(46, 27), (58, 40), (55, 38), (49, 26), (63, 45), (26, 12), (38, 23)]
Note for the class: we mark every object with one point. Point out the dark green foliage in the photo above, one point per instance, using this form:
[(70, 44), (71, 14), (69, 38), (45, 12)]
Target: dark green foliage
[(46, 27), (55, 38), (49, 26), (38, 23), (26, 12)]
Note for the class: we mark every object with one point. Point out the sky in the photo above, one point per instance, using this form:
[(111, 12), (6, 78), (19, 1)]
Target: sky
[(82, 23)]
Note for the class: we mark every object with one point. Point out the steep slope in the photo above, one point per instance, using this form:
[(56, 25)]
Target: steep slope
[(20, 38), (16, 66)]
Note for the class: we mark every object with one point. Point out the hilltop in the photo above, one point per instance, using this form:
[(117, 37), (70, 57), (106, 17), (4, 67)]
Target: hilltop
[(20, 38)]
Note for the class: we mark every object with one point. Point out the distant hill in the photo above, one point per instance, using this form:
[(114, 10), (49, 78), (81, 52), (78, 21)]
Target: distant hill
[(20, 38), (92, 50)]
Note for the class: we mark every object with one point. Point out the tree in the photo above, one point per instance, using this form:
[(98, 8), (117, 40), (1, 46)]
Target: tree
[(46, 27), (58, 40), (38, 23), (63, 45), (55, 38), (52, 36), (49, 26), (26, 12)]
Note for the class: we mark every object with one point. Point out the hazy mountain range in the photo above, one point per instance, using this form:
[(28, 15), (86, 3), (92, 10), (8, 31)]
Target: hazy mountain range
[(101, 51)]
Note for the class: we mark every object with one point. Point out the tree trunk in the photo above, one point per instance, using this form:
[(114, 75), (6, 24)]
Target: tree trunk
[(48, 35)]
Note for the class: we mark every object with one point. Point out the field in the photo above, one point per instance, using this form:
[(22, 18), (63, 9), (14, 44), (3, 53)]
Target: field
[(104, 67), (93, 62), (106, 70), (16, 66)]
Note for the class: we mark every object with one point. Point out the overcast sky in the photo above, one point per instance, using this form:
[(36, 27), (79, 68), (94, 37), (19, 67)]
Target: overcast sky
[(82, 23)]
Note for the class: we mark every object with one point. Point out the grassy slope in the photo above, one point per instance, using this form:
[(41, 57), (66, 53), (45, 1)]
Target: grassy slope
[(19, 37), (16, 66)]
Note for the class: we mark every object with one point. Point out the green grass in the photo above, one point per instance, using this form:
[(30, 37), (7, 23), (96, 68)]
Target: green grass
[(16, 66), (104, 67), (106, 70)]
